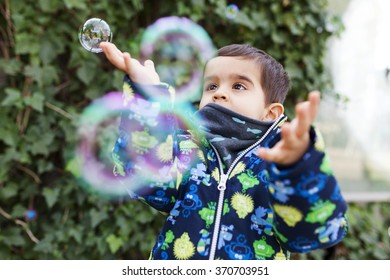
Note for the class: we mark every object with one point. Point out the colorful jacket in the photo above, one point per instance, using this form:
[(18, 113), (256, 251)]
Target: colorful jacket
[(253, 210)]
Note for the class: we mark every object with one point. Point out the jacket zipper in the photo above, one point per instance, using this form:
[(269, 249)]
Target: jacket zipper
[(222, 186)]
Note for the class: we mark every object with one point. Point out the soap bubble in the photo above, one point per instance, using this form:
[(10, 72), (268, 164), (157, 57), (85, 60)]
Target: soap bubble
[(93, 162), (143, 148), (93, 32), (30, 215), (231, 11), (179, 48)]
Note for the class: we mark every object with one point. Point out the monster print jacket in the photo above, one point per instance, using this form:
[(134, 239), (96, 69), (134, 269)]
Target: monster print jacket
[(252, 209)]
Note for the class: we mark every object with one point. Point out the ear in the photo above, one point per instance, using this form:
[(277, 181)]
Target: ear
[(273, 111)]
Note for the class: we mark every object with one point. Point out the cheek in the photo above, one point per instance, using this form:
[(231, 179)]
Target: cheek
[(203, 102), (253, 109), (253, 112)]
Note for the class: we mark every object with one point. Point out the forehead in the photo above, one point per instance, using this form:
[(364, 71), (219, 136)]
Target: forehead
[(230, 65)]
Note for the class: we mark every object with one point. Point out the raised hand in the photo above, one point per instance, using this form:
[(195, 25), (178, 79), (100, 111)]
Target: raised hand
[(142, 74), (295, 135)]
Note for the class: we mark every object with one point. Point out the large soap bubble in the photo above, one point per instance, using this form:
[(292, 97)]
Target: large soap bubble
[(144, 151), (179, 48), (93, 32), (97, 134)]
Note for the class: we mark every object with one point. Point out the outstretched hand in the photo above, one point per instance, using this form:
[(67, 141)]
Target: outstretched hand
[(295, 135), (142, 74)]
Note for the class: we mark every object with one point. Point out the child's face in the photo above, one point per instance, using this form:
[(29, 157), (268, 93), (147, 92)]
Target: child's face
[(234, 83)]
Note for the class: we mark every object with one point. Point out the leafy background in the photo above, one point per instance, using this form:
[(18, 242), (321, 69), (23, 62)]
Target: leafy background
[(47, 79)]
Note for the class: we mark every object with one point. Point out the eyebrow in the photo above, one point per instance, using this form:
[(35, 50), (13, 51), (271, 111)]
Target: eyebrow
[(242, 77), (232, 76)]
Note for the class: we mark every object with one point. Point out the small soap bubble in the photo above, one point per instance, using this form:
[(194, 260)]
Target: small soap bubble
[(388, 231), (231, 11), (93, 32), (30, 215)]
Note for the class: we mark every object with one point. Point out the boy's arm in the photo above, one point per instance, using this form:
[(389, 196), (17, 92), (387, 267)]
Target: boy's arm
[(309, 210), (143, 152)]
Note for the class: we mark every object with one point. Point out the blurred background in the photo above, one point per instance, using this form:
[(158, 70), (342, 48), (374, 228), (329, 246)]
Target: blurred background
[(47, 80)]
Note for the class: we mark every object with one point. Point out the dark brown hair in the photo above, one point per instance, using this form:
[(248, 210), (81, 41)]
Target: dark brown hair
[(273, 78)]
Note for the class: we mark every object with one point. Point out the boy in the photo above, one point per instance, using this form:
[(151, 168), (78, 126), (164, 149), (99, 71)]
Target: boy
[(264, 189)]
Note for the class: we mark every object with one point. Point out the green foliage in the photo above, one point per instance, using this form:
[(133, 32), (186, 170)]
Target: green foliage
[(47, 79)]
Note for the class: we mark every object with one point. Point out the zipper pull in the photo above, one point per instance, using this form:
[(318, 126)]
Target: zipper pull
[(222, 182)]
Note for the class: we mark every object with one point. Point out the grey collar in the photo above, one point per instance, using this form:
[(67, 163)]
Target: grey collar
[(229, 132)]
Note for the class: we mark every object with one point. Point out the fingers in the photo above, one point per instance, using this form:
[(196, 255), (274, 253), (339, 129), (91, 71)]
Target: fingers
[(113, 54), (287, 133), (303, 119), (288, 150), (275, 153), (105, 45), (127, 62), (109, 49), (150, 65), (268, 154), (306, 113), (314, 99)]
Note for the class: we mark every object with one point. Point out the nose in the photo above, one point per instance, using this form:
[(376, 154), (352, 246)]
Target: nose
[(220, 95)]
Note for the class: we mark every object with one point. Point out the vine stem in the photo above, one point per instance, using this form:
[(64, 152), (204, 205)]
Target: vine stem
[(59, 110), (20, 223), (30, 172)]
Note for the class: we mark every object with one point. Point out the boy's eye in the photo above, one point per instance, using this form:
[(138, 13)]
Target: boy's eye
[(211, 87), (239, 86)]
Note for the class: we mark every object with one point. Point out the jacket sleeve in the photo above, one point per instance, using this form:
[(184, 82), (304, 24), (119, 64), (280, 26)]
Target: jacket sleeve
[(143, 152), (309, 210)]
